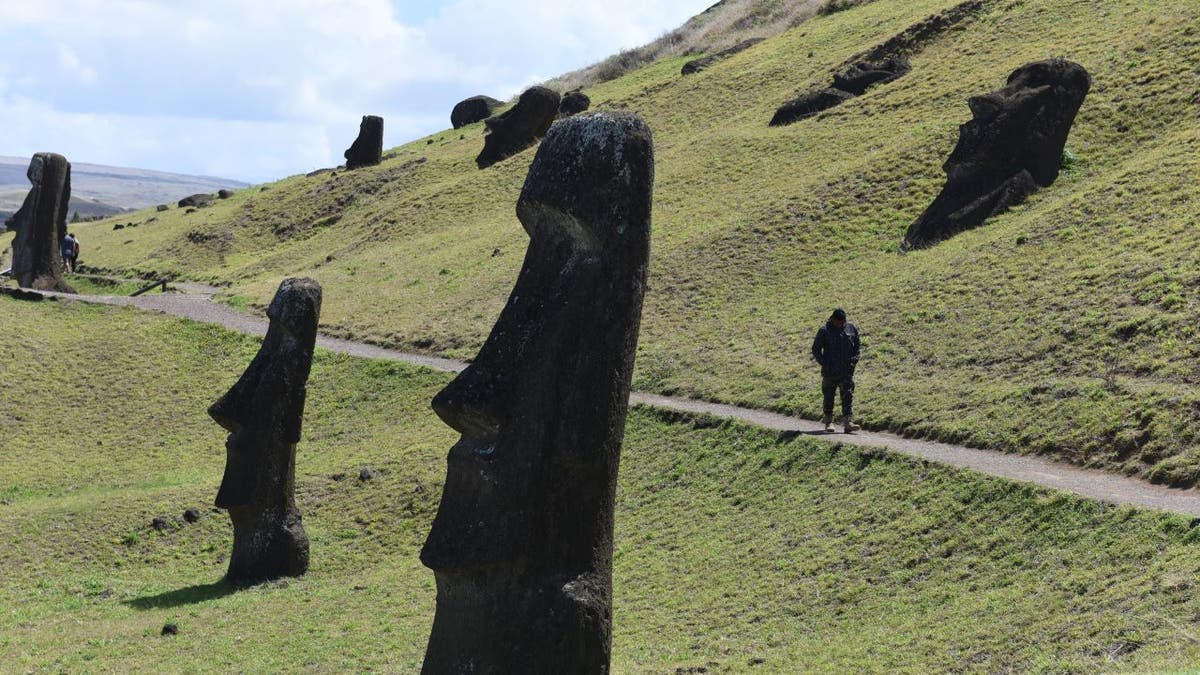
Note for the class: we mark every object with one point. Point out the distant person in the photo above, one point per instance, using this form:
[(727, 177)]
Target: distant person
[(836, 348), (70, 252)]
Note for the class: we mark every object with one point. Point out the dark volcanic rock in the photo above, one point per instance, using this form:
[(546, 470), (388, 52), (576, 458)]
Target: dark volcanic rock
[(262, 414), (519, 127), (862, 75), (696, 65), (191, 515), (197, 200), (1012, 146), (573, 103), (224, 194), (808, 105), (170, 629), (160, 523), (162, 207), (521, 545), (472, 110), (41, 225), (367, 149)]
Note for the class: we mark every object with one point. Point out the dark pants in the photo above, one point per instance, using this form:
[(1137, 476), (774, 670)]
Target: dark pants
[(830, 384)]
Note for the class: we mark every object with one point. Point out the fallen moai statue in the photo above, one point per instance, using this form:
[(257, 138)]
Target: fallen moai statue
[(262, 413), (521, 546), (367, 149), (472, 110), (696, 65), (1012, 146), (853, 80), (518, 127), (41, 225), (198, 200)]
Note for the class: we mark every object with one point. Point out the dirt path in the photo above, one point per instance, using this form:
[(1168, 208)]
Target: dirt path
[(196, 303)]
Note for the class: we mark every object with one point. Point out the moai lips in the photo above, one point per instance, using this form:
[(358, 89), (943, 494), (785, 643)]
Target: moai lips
[(263, 413), (521, 545)]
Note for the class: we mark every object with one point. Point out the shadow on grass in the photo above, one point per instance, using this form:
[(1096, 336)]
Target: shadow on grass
[(184, 596)]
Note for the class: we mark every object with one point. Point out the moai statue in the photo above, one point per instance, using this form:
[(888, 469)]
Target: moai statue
[(521, 546), (262, 414), (41, 224), (367, 149), (1012, 146), (518, 127)]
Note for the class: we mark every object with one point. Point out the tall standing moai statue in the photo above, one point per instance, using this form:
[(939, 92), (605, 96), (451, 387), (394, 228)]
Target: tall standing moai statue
[(41, 224), (521, 546), (367, 149), (262, 414)]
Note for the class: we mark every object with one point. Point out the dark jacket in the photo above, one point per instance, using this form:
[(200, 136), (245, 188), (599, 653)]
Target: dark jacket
[(836, 349)]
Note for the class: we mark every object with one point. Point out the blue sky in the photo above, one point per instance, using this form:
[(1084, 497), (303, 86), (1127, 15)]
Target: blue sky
[(264, 89)]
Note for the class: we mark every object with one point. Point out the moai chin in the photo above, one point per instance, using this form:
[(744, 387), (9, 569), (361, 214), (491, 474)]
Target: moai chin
[(262, 414), (41, 224), (521, 546)]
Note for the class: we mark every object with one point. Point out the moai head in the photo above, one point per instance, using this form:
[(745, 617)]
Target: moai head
[(367, 148), (1012, 145), (262, 413), (518, 127), (522, 541)]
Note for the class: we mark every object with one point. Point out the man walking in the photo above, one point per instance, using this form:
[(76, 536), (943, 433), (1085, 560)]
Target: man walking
[(836, 348)]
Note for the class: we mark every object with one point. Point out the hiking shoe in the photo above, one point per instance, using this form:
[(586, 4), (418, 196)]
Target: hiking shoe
[(850, 426), (828, 422)]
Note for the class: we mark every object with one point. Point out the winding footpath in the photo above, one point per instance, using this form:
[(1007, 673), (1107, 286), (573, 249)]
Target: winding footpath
[(194, 301)]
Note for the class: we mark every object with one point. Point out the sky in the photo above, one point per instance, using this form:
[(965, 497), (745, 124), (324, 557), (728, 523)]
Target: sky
[(261, 89)]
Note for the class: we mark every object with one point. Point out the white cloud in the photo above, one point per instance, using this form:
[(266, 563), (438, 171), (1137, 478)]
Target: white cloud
[(263, 89)]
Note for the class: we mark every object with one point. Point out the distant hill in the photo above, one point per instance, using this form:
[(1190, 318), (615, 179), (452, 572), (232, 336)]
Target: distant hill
[(98, 190)]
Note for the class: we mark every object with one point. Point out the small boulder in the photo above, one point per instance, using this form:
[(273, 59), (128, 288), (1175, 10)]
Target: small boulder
[(170, 629), (160, 523), (224, 194), (472, 110), (162, 207), (191, 515), (367, 473), (519, 127)]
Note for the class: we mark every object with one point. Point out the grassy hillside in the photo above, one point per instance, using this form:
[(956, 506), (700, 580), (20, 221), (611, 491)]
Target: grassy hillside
[(1066, 327), (737, 550)]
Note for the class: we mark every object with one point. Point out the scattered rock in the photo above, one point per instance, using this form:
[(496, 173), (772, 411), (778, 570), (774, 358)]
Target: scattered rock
[(191, 515), (1012, 146), (160, 523), (224, 194), (519, 127), (318, 172), (367, 149), (573, 103), (367, 473), (197, 200), (696, 65), (118, 226), (41, 224), (472, 110), (262, 413), (162, 207), (170, 629), (528, 497)]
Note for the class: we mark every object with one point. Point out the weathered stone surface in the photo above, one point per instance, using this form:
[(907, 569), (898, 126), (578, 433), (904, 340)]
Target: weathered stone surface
[(808, 105), (224, 194), (162, 207), (41, 225), (367, 149), (198, 200), (262, 414), (1012, 146), (472, 110), (696, 65), (521, 545), (573, 103), (862, 75), (519, 127)]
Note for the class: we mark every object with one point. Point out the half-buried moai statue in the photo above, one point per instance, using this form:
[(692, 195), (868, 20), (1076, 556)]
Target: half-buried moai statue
[(367, 149), (41, 224), (518, 127), (1012, 146), (262, 414), (472, 110), (521, 546)]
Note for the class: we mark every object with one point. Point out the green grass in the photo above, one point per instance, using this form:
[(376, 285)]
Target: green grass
[(1066, 327), (734, 546)]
